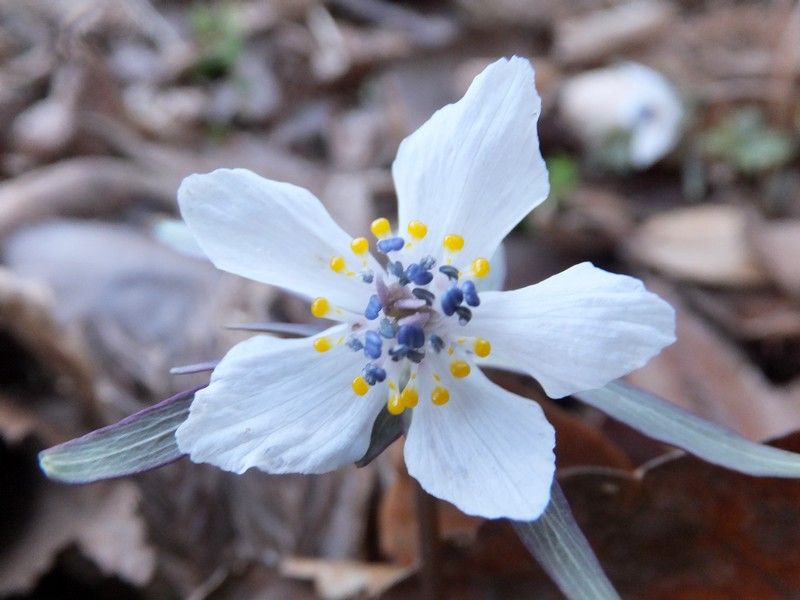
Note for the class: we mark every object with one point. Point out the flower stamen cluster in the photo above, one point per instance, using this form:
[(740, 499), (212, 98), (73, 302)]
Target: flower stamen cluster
[(411, 313)]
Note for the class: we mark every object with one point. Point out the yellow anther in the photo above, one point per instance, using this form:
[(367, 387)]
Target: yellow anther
[(417, 229), (320, 307), (360, 386), (380, 227), (322, 344), (480, 267), (453, 242), (482, 347), (359, 245), (440, 395), (409, 397), (395, 405), (337, 264), (459, 368)]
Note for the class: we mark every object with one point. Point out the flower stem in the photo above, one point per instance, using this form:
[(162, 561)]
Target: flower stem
[(428, 534)]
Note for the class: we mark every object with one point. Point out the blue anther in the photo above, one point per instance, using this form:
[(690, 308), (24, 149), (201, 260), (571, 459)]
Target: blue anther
[(425, 295), (398, 352), (451, 299), (437, 343), (395, 268), (464, 315), (415, 356), (418, 274), (373, 373), (367, 276), (427, 262), (372, 344), (451, 272), (470, 293), (387, 328), (391, 244), (373, 307), (355, 344), (412, 336)]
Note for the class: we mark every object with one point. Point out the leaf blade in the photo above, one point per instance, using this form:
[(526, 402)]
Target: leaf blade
[(669, 423), (140, 442), (558, 544)]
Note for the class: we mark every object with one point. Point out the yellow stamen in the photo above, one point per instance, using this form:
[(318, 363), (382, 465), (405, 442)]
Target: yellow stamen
[(359, 245), (395, 405), (480, 267), (360, 386), (409, 397), (440, 395), (337, 264), (417, 229), (459, 368), (482, 347), (453, 242), (380, 227), (320, 307), (322, 344)]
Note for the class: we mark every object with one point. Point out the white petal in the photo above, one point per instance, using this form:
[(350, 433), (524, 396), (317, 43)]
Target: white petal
[(474, 168), (280, 406), (272, 232), (577, 330), (487, 451)]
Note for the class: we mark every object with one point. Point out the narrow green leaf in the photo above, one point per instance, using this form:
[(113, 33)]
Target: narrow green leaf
[(137, 443), (669, 423), (558, 544)]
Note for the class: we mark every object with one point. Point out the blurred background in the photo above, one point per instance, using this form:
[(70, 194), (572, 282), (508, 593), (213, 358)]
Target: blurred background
[(671, 133)]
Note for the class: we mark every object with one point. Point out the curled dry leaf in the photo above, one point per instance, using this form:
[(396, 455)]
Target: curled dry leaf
[(706, 374), (102, 521), (27, 317), (605, 32), (777, 246), (702, 244), (340, 579)]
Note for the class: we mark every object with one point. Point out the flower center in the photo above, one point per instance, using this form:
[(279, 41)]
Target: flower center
[(415, 310)]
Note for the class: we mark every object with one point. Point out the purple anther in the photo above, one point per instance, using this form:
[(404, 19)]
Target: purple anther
[(418, 274), (451, 299), (374, 307), (425, 295), (373, 373), (392, 244), (412, 336), (464, 315), (470, 293), (451, 272), (372, 344)]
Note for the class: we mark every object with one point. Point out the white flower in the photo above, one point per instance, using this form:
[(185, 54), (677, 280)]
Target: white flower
[(411, 337), (628, 99)]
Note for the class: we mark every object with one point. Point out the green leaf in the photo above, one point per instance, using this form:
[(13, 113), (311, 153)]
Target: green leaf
[(669, 423), (558, 544), (140, 442)]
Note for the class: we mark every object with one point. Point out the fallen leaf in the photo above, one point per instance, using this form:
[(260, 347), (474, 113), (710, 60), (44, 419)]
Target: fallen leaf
[(777, 246), (339, 579), (102, 520), (705, 373), (683, 528), (703, 244)]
